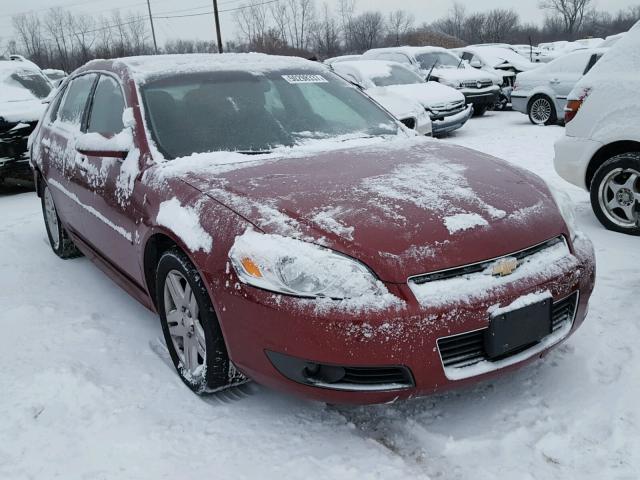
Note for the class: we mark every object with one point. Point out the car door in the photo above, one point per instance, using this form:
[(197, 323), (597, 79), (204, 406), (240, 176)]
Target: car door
[(60, 129), (565, 74), (109, 221)]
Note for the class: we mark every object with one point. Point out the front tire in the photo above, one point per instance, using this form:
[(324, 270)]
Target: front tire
[(59, 239), (542, 111), (479, 110), (190, 326), (615, 193)]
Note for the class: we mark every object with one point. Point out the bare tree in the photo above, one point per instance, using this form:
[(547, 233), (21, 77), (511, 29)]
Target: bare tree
[(453, 23), (252, 21), (572, 12), (327, 34), (29, 31), (500, 25), (346, 11), (368, 30), (398, 25)]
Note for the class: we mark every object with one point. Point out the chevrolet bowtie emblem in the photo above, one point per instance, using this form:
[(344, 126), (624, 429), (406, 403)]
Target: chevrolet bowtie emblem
[(504, 267)]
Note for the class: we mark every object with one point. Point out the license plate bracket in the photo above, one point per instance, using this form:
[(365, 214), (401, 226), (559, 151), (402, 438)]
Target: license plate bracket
[(513, 330)]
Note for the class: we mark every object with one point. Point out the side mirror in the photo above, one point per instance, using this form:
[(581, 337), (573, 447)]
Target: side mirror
[(475, 63), (97, 145)]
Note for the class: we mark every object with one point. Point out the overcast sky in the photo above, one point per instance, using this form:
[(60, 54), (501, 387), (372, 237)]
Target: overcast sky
[(201, 27)]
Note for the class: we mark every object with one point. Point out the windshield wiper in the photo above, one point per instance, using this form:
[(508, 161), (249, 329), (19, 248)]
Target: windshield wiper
[(432, 67), (460, 62), (254, 152)]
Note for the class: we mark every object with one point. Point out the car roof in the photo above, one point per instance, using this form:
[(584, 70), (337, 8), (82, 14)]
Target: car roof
[(408, 50), (148, 66)]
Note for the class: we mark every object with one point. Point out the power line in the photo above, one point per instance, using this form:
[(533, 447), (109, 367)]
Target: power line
[(220, 11)]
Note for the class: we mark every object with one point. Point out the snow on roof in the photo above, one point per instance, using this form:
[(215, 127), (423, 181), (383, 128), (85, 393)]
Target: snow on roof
[(623, 57), (368, 68), (408, 50), (144, 67)]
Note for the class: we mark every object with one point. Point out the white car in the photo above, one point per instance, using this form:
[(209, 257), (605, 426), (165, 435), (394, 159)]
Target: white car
[(542, 93), (342, 58), (434, 63), (601, 148), (398, 88)]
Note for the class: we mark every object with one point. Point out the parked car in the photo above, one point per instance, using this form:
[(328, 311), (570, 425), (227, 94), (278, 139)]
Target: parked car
[(403, 92), (289, 230), (342, 58), (55, 76), (529, 52), (499, 62), (434, 63), (601, 147), (611, 40), (542, 93), (22, 90)]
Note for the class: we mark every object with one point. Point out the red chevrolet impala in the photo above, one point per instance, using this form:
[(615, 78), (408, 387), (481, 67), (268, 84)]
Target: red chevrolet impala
[(289, 230)]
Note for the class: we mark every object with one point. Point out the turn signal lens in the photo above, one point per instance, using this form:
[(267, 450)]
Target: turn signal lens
[(251, 268), (571, 110)]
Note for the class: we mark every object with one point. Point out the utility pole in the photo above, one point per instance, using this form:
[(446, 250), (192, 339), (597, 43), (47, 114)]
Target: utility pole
[(217, 19), (153, 30)]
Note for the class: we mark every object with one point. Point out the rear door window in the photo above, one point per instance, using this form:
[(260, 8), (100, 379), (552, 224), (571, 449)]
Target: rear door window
[(107, 108), (592, 61), (75, 100)]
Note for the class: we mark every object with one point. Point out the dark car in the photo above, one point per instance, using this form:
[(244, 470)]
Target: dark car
[(22, 89), (288, 230)]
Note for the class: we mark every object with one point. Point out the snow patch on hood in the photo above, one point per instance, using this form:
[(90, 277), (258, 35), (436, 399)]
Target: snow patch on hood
[(328, 219), (464, 221), (432, 185), (184, 221), (428, 94)]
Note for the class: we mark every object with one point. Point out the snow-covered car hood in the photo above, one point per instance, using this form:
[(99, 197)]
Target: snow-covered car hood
[(427, 94), (461, 74), (18, 105), (403, 207), (399, 105)]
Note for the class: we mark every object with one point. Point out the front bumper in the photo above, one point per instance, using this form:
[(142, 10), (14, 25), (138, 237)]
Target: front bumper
[(572, 157), (14, 161), (257, 324), (519, 102), (481, 97), (452, 122)]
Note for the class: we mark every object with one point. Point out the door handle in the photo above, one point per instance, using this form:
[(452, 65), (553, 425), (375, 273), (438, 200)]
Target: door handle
[(554, 80)]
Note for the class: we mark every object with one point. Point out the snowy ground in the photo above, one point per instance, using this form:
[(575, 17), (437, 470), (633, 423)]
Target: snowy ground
[(82, 394)]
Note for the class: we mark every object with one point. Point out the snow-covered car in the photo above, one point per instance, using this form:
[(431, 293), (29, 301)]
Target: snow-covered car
[(497, 61), (403, 92), (23, 87), (542, 93), (529, 52), (601, 147), (55, 76), (289, 230), (480, 89), (342, 58), (611, 40)]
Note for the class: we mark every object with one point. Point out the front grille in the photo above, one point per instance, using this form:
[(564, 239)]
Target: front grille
[(439, 112), (376, 376), (521, 256), (477, 84), (508, 81), (468, 348)]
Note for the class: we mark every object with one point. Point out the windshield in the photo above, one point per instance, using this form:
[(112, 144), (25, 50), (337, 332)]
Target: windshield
[(397, 76), (244, 112), (35, 82), (444, 59)]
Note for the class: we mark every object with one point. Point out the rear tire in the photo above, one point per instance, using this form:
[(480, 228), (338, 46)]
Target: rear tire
[(479, 110), (542, 111), (615, 193), (59, 239), (190, 326)]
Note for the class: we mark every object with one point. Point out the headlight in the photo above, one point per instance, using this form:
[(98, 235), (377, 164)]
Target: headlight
[(566, 210), (293, 267)]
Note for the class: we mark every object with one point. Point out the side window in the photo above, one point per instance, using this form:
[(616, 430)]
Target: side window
[(107, 108), (573, 63), (55, 105), (75, 100), (592, 61)]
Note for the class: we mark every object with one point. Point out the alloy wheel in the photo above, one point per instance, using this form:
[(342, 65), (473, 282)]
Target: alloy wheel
[(619, 195), (541, 111), (185, 327)]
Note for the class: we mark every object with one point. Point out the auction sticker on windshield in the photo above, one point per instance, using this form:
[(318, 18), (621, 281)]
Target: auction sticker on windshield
[(305, 78)]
